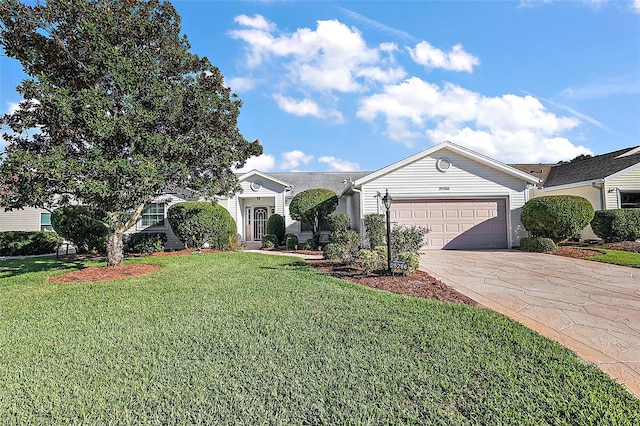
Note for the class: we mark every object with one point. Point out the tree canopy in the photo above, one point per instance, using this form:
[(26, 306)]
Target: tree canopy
[(312, 207), (116, 110)]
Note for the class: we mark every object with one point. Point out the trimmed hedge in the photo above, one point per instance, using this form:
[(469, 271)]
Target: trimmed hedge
[(291, 241), (310, 244), (407, 238), (276, 226), (617, 225), (81, 226), (556, 216), (26, 243), (376, 229), (537, 244), (145, 242), (412, 259), (338, 222)]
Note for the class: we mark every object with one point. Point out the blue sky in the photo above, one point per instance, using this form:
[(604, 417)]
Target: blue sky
[(358, 85)]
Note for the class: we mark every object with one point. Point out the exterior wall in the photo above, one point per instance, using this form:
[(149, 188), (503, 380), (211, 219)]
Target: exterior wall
[(465, 179), (27, 219), (626, 181)]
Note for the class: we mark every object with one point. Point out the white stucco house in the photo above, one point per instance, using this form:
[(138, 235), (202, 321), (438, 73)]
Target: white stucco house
[(466, 199)]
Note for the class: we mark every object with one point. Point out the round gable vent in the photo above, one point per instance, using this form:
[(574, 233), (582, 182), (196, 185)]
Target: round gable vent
[(443, 164), (256, 185)]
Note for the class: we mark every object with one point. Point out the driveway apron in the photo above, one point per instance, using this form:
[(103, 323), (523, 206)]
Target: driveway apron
[(592, 308)]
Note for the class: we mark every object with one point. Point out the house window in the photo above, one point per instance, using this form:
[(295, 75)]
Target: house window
[(629, 200), (152, 215), (45, 222)]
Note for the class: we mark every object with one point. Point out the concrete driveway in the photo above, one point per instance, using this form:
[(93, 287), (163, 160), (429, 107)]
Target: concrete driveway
[(592, 308)]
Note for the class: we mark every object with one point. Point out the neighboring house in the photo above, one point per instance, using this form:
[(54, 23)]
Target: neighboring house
[(609, 181), (467, 200)]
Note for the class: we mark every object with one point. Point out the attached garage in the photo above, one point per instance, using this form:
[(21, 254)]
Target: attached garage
[(467, 200), (456, 224)]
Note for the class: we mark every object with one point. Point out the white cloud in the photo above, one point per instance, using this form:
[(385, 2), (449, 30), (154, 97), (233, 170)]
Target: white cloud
[(431, 57), (292, 159), (264, 162), (12, 107), (306, 107), (508, 127), (256, 21), (339, 165), (242, 84), (636, 6)]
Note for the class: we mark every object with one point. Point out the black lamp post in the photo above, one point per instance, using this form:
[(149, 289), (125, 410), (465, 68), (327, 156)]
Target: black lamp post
[(386, 200)]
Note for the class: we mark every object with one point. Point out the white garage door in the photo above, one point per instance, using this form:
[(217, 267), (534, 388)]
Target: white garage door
[(456, 224)]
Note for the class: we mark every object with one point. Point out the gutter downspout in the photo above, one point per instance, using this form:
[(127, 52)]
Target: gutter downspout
[(602, 199), (361, 207)]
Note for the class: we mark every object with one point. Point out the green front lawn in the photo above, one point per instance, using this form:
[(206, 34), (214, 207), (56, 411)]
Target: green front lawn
[(617, 257), (244, 338)]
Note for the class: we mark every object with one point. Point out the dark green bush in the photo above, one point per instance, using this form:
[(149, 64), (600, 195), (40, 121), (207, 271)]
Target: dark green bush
[(291, 241), (345, 247), (198, 222), (310, 244), (145, 242), (617, 225), (537, 244), (338, 222), (376, 229), (269, 241), (557, 217), (312, 207), (25, 243), (407, 239), (412, 259), (81, 226), (276, 226)]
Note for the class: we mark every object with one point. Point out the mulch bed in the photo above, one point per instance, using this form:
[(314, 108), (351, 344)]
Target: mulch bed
[(420, 284), (103, 273)]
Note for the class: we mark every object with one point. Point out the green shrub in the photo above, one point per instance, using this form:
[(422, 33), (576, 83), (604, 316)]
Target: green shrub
[(276, 226), (382, 252), (338, 222), (412, 259), (312, 207), (81, 226), (557, 217), (617, 225), (369, 261), (26, 243), (145, 242), (311, 244), (197, 222), (291, 241), (344, 246), (269, 241), (407, 239), (376, 229), (537, 244)]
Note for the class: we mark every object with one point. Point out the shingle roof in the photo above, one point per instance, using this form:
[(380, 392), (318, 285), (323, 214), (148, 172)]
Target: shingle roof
[(594, 168), (301, 181), (541, 171)]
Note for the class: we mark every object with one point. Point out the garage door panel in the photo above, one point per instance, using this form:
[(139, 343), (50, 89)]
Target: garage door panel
[(456, 224)]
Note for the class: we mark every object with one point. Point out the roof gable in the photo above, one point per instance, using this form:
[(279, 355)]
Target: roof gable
[(273, 179), (593, 168), (456, 149)]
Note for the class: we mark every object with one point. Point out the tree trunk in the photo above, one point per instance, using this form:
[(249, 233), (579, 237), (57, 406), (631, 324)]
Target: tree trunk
[(115, 248)]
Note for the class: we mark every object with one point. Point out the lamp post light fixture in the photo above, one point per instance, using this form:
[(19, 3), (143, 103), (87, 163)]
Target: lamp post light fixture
[(386, 200)]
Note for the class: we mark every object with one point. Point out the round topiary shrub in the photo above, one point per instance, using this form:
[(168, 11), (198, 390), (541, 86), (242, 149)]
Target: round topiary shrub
[(81, 225), (338, 222), (617, 225), (197, 222), (537, 244), (276, 226), (291, 241), (557, 217), (310, 244)]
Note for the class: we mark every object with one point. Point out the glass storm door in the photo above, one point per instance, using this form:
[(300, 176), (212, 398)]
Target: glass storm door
[(259, 222)]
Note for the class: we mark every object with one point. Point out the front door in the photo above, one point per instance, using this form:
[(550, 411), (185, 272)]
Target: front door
[(260, 216)]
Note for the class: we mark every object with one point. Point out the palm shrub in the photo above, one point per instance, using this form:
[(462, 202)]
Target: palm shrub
[(556, 216), (617, 225), (375, 228), (276, 226), (81, 225)]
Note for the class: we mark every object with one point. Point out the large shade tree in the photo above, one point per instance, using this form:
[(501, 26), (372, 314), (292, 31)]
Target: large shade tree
[(116, 110)]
